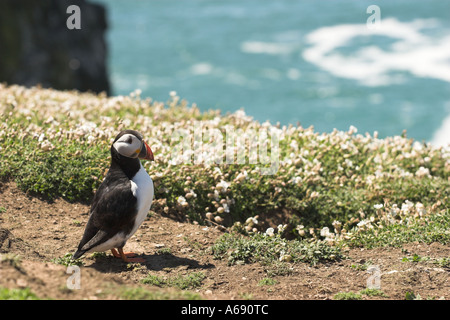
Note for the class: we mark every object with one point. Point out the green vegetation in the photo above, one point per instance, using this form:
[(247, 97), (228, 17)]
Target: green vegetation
[(68, 260), (267, 282), (269, 249), (56, 144), (427, 229), (164, 251), (189, 281), (412, 296), (359, 296), (414, 258), (143, 294), (347, 296), (362, 266), (443, 262), (373, 293), (17, 294)]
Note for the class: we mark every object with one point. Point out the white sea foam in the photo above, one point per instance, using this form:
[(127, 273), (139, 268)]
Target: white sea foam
[(201, 68), (413, 51), (272, 48), (442, 136), (293, 74)]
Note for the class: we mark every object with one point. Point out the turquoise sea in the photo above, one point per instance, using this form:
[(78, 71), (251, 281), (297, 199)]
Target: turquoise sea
[(314, 62)]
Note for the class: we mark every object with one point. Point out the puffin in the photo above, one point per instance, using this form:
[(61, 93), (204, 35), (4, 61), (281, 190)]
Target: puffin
[(122, 201)]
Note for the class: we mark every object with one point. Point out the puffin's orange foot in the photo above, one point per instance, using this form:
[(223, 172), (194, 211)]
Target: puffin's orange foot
[(115, 253), (127, 254)]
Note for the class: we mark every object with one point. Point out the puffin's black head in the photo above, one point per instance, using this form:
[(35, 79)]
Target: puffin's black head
[(130, 144)]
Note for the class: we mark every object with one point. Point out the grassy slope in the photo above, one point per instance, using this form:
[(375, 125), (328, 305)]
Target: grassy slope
[(328, 186)]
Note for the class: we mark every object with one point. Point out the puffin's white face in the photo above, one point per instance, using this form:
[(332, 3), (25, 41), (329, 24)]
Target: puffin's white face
[(128, 145)]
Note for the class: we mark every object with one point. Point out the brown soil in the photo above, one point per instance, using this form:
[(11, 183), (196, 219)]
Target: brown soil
[(39, 231)]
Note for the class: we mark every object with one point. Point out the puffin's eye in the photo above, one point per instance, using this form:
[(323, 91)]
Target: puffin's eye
[(129, 140)]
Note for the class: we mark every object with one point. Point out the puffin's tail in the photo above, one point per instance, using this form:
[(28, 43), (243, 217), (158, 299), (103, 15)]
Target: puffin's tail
[(78, 254)]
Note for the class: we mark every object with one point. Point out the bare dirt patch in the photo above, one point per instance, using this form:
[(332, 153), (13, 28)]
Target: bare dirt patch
[(38, 231)]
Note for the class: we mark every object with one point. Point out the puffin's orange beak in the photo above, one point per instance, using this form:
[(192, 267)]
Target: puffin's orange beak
[(146, 153)]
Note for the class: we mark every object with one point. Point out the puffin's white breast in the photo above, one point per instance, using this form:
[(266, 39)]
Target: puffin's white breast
[(142, 188)]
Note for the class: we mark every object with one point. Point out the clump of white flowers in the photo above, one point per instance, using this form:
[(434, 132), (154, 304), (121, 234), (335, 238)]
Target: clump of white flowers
[(251, 224), (192, 178), (182, 201), (271, 231)]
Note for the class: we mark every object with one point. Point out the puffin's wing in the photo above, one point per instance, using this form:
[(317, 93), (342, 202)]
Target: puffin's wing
[(112, 211)]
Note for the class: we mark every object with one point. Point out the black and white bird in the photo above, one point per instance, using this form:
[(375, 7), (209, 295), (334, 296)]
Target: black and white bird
[(122, 201)]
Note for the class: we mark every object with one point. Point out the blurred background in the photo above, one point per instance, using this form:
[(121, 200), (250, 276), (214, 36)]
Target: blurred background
[(286, 61), (37, 47)]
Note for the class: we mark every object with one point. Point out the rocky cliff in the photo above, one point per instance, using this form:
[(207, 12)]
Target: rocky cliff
[(37, 47)]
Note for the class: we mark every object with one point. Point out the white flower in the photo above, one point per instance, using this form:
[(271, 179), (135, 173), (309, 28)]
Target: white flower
[(270, 232), (240, 114), (422, 172), (352, 130), (182, 201), (378, 206), (364, 223), (251, 221), (90, 139), (242, 176), (281, 228), (294, 144), (407, 206), (217, 170), (337, 225), (348, 163), (325, 232), (420, 208), (296, 180), (314, 194), (216, 195), (301, 230), (191, 194), (47, 146), (222, 185)]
